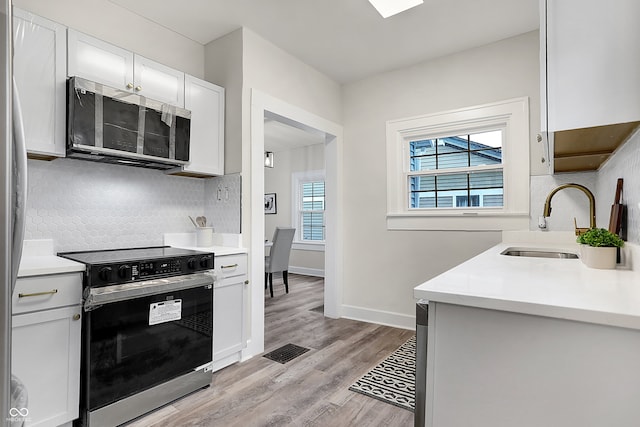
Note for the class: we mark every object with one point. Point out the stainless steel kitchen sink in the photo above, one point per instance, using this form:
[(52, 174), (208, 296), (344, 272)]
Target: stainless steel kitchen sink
[(539, 253)]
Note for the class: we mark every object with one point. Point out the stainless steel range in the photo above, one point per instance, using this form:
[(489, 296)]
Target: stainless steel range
[(147, 330)]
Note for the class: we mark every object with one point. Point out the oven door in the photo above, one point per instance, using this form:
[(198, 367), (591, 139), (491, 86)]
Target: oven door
[(140, 335)]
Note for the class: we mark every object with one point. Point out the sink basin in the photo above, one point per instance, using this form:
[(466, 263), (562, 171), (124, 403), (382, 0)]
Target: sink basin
[(538, 253)]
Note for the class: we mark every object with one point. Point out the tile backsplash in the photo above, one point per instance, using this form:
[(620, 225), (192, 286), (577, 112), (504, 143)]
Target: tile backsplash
[(625, 163), (222, 203), (85, 205)]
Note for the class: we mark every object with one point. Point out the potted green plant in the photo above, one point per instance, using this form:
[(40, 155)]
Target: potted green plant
[(599, 248)]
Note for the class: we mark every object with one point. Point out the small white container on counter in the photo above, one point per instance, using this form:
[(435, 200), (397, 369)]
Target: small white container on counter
[(204, 236)]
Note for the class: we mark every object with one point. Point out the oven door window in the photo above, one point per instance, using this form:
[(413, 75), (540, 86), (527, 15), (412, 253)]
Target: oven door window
[(127, 354)]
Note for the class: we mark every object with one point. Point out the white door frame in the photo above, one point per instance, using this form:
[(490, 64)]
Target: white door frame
[(261, 104)]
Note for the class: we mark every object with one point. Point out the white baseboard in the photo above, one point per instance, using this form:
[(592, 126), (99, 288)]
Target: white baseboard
[(379, 317), (316, 272)]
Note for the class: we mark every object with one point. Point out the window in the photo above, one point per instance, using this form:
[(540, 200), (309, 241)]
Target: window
[(312, 211), (476, 160), (465, 169), (308, 209)]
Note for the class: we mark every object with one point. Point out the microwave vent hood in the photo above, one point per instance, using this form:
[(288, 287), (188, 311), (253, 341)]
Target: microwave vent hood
[(109, 125)]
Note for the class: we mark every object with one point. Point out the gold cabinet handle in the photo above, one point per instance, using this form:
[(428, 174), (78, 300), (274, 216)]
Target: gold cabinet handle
[(76, 316), (37, 294), (138, 88), (129, 85), (229, 266)]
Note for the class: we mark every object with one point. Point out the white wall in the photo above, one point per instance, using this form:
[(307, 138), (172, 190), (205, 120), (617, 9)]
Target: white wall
[(278, 180), (223, 66), (382, 267), (118, 26), (275, 73)]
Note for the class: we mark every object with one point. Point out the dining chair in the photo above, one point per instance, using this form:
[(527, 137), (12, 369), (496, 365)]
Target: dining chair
[(278, 258)]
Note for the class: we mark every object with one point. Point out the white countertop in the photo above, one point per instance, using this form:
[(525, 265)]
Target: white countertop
[(219, 248), (560, 288), (38, 259)]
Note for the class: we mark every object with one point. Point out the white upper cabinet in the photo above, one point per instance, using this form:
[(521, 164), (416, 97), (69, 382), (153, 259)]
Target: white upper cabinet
[(157, 81), (206, 151), (592, 63), (40, 72), (102, 62)]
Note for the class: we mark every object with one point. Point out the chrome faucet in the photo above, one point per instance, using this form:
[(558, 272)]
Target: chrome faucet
[(592, 205)]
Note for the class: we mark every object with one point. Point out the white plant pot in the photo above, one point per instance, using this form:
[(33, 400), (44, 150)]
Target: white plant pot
[(595, 257)]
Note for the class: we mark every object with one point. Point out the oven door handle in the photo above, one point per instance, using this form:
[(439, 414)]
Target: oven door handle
[(95, 297)]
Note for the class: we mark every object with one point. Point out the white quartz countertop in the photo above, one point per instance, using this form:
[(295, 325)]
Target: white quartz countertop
[(217, 250), (223, 244), (38, 259), (560, 288)]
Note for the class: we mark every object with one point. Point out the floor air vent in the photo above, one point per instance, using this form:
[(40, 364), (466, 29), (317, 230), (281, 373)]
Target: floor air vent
[(286, 353)]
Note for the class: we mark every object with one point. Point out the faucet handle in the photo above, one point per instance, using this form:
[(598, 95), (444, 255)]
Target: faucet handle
[(579, 231)]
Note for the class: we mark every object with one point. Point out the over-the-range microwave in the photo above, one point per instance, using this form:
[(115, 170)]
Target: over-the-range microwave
[(109, 125)]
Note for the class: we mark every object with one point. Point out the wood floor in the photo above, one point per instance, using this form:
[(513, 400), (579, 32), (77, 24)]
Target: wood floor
[(312, 390)]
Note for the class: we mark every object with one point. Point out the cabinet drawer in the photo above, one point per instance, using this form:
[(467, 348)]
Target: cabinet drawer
[(46, 292), (232, 265)]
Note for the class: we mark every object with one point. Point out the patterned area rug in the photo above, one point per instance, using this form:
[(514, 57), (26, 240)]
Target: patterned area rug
[(393, 380)]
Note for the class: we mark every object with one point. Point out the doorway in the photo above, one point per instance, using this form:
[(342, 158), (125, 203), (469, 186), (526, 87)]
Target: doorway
[(264, 106)]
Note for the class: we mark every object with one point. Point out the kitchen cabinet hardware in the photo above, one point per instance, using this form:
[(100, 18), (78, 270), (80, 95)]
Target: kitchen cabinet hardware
[(76, 316), (37, 294), (229, 266), (246, 282), (121, 68)]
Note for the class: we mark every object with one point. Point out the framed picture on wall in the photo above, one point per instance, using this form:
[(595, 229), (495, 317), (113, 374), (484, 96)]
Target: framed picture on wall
[(270, 203)]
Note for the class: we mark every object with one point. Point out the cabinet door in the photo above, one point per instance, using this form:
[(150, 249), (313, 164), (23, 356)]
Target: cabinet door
[(45, 355), (99, 61), (206, 102), (593, 63), (39, 65), (157, 81), (228, 317)]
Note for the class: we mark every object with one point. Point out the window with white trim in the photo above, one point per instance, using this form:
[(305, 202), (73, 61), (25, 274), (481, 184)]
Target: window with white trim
[(464, 169), (309, 206)]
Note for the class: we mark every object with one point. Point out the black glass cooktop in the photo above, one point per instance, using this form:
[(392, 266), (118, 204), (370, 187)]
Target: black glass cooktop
[(128, 255)]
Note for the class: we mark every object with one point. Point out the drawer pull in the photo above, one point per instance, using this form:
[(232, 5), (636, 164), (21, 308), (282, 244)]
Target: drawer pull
[(229, 266), (37, 294), (76, 316)]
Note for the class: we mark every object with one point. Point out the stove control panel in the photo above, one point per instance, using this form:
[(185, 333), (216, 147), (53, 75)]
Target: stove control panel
[(114, 273)]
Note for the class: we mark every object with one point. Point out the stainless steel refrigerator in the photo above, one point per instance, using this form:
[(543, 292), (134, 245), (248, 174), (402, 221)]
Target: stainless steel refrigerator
[(13, 187)]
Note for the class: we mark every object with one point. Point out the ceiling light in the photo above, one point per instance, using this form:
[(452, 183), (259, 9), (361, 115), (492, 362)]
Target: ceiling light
[(268, 159), (388, 8)]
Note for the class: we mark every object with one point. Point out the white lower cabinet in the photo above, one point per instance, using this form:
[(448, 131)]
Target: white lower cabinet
[(45, 352), (229, 302)]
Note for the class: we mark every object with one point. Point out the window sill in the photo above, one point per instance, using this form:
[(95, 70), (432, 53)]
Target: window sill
[(481, 221), (306, 246)]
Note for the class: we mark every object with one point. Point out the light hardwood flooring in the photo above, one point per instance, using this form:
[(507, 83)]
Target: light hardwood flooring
[(312, 390)]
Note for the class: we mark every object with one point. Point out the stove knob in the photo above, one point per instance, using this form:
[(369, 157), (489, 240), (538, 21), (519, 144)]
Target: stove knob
[(191, 264), (204, 262), (124, 272), (105, 274)]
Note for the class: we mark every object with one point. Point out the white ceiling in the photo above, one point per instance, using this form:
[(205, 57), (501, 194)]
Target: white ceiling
[(347, 39)]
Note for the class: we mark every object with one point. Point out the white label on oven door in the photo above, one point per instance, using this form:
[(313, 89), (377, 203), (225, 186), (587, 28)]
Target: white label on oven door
[(165, 311)]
